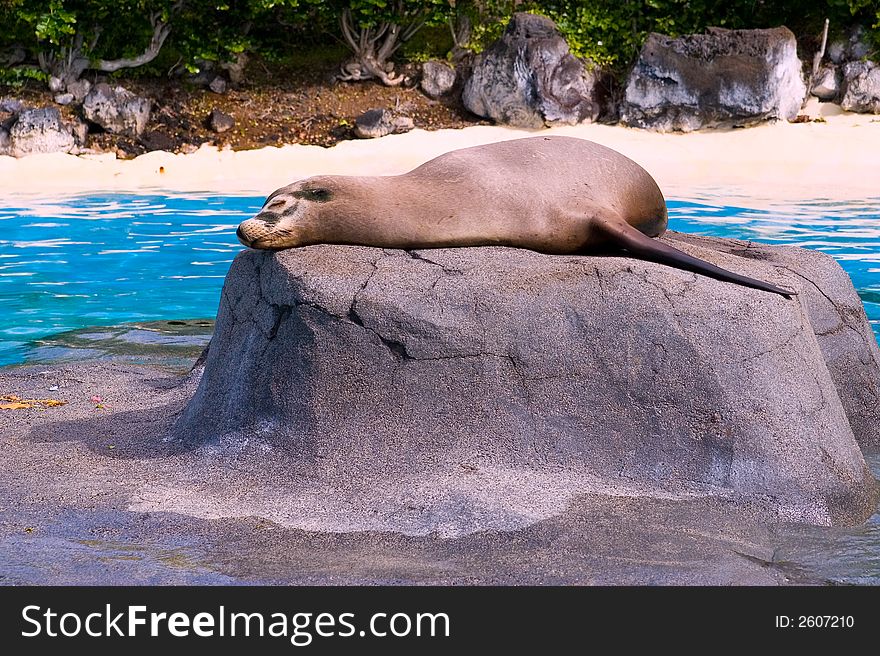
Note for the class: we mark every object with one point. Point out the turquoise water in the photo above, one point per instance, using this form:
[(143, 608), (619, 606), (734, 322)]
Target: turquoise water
[(102, 260)]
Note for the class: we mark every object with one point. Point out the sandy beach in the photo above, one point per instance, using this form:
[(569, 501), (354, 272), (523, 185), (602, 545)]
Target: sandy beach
[(838, 159)]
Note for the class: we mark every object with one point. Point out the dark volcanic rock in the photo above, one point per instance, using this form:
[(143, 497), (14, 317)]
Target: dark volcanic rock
[(721, 78), (529, 78), (861, 87), (117, 110), (220, 121), (380, 122), (584, 374)]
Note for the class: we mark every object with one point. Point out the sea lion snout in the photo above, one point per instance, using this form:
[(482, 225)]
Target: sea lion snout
[(241, 236)]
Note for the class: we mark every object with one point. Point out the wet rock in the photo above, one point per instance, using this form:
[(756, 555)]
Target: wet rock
[(117, 110), (721, 78), (826, 86), (528, 78), (381, 122), (218, 85), (438, 78), (220, 122), (861, 87), (39, 131), (392, 365)]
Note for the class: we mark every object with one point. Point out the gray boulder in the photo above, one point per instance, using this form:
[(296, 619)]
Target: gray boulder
[(721, 78), (5, 142), (39, 131), (826, 86), (117, 110), (861, 87), (380, 122), (528, 78), (438, 78), (602, 375)]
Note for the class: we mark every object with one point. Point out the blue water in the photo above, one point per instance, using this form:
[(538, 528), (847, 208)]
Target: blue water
[(107, 259)]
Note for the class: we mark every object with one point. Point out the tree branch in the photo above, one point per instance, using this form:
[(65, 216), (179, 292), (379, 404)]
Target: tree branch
[(160, 33)]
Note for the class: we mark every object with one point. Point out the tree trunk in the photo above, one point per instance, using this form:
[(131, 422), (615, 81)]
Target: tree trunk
[(373, 48)]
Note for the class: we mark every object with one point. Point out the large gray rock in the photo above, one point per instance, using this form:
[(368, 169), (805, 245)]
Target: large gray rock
[(861, 87), (438, 78), (721, 78), (117, 110), (582, 375), (528, 78), (39, 131)]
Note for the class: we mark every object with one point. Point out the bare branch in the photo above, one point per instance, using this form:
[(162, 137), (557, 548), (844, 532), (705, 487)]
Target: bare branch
[(347, 33), (160, 33)]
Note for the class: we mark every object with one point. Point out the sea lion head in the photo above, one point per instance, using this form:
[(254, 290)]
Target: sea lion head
[(289, 216)]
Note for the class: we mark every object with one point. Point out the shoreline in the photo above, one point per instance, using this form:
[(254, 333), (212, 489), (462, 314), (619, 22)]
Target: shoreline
[(835, 160)]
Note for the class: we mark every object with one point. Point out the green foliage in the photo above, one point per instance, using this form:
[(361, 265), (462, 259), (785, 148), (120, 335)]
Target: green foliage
[(17, 77), (609, 32)]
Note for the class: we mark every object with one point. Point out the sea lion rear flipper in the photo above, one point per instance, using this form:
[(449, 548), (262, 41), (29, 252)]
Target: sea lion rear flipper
[(637, 243)]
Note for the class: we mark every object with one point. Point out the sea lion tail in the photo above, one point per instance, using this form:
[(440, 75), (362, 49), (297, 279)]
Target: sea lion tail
[(640, 244)]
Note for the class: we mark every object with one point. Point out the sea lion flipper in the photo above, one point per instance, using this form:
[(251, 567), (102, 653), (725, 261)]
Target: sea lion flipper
[(637, 243)]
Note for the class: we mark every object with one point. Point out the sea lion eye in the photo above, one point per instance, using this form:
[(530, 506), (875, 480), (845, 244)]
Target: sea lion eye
[(275, 204), (319, 194)]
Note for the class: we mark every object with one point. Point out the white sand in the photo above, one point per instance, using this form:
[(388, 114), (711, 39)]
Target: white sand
[(772, 163)]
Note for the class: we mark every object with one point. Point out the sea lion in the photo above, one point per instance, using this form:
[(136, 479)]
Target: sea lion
[(558, 195)]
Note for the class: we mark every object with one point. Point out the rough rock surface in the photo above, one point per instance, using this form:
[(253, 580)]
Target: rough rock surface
[(572, 374), (100, 497), (38, 131), (826, 86), (721, 78), (381, 122), (438, 78), (861, 87), (117, 110), (528, 78)]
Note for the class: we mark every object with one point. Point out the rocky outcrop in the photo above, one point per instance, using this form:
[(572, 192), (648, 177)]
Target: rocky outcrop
[(529, 78), (36, 131), (438, 79), (628, 376), (861, 87), (721, 78), (381, 122), (117, 110)]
